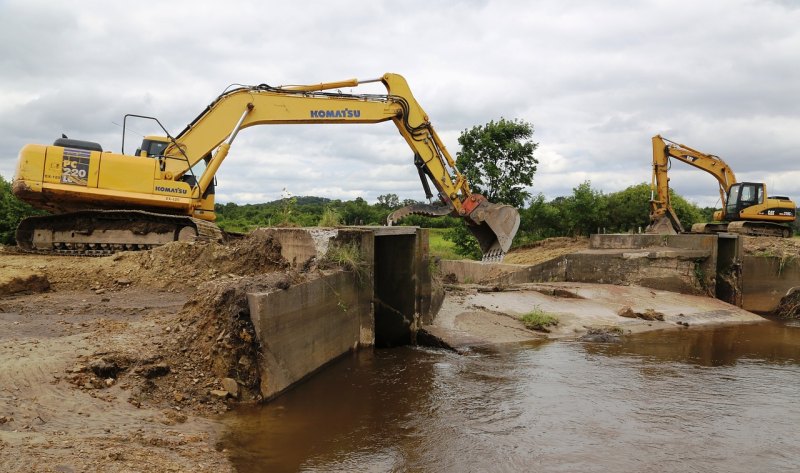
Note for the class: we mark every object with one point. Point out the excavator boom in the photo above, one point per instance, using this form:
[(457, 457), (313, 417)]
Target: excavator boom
[(165, 176)]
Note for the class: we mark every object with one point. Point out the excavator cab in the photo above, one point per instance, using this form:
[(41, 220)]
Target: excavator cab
[(741, 196)]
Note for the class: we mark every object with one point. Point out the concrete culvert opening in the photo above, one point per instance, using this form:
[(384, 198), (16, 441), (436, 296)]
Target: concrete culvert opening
[(395, 289)]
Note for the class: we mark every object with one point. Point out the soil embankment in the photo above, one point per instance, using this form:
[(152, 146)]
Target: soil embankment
[(121, 363)]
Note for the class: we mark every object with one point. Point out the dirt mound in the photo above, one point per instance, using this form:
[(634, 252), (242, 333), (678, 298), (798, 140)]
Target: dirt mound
[(544, 250), (23, 281), (771, 246), (189, 264), (220, 335)]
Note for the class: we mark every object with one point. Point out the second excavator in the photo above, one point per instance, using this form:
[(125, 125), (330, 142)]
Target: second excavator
[(105, 202), (746, 207)]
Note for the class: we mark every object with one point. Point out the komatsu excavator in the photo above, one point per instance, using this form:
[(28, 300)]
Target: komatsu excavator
[(746, 208), (105, 202)]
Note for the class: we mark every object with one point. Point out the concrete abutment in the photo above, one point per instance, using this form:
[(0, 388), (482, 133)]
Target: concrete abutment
[(380, 301)]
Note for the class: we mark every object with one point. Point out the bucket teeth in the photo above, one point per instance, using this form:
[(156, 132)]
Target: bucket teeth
[(418, 209), (493, 256)]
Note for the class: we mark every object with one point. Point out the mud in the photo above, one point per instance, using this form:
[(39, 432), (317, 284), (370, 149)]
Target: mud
[(123, 363)]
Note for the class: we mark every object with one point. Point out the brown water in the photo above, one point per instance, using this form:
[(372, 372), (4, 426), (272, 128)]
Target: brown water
[(716, 400)]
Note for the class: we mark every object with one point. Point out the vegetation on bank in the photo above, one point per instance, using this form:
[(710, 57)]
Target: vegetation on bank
[(12, 211), (538, 319)]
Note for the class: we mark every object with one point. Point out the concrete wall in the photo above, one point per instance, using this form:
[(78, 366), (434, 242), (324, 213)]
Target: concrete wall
[(384, 302), (302, 328), (765, 280), (664, 271), (706, 243)]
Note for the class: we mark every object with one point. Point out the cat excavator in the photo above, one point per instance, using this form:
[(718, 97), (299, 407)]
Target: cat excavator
[(746, 207), (104, 202)]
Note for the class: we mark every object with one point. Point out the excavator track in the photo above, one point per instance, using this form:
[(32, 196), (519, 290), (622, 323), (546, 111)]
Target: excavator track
[(746, 227), (104, 232)]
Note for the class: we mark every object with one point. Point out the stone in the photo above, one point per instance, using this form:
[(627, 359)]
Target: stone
[(100, 291), (230, 385), (219, 393), (155, 371), (627, 312), (104, 369)]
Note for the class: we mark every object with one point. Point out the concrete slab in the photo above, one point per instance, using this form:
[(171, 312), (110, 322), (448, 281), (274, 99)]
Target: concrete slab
[(492, 317)]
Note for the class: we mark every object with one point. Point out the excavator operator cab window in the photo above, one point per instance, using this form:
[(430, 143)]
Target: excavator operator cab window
[(152, 148), (741, 196)]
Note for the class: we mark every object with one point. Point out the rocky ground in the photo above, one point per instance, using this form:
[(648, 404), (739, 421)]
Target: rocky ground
[(121, 363)]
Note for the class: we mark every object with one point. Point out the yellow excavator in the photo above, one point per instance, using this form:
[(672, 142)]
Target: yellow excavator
[(104, 202), (746, 208)]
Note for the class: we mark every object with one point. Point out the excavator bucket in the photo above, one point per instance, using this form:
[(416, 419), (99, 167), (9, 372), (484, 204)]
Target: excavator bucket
[(661, 226), (494, 227)]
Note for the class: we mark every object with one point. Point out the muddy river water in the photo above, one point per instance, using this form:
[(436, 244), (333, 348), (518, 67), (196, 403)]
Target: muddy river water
[(709, 400)]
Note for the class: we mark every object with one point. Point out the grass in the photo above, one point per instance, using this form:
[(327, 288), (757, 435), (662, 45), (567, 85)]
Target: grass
[(440, 247), (538, 319), (348, 257)]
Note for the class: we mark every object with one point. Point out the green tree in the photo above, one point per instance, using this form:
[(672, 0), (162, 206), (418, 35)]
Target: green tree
[(629, 209), (388, 201), (465, 243), (497, 160), (586, 209), (12, 211)]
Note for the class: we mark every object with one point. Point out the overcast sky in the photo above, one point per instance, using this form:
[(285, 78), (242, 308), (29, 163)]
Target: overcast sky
[(596, 79)]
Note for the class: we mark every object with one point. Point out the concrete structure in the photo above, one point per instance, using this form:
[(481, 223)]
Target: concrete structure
[(766, 279), (302, 328), (688, 264), (478, 318), (383, 302)]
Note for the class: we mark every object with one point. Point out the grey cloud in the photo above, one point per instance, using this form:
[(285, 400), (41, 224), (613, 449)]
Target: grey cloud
[(597, 80)]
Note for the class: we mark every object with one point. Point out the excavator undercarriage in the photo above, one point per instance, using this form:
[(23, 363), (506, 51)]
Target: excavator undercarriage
[(103, 232)]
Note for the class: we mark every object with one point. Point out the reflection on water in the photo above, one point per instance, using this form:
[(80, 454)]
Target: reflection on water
[(724, 399)]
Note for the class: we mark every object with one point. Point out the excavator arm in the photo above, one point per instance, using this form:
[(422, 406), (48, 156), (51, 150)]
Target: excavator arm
[(214, 130), (663, 218)]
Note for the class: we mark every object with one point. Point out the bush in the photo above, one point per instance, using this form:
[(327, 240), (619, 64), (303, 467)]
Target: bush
[(538, 319)]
